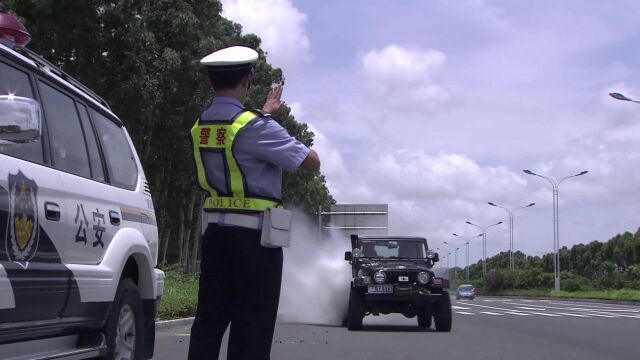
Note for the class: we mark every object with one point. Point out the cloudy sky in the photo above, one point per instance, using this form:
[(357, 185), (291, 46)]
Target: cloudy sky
[(436, 107)]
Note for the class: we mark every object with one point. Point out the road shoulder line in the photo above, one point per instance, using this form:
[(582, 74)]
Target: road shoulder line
[(166, 324)]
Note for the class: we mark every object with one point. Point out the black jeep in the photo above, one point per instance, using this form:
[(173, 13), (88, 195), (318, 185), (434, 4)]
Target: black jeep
[(393, 274)]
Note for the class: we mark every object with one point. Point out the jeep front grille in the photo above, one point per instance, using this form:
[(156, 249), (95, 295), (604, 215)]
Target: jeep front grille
[(394, 275)]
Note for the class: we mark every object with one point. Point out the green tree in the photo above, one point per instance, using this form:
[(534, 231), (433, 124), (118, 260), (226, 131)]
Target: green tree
[(142, 56)]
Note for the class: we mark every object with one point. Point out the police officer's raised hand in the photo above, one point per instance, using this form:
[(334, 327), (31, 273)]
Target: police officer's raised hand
[(273, 103)]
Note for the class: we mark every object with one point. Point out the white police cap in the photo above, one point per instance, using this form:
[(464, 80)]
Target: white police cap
[(234, 56)]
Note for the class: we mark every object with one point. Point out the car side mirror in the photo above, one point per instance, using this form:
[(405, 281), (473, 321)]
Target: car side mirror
[(433, 256), (347, 255), (20, 119)]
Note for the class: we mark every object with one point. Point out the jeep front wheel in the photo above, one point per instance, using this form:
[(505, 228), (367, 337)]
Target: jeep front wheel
[(442, 313), (424, 318), (125, 325), (356, 310)]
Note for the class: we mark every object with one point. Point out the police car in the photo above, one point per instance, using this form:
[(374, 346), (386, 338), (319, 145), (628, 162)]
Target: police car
[(78, 234)]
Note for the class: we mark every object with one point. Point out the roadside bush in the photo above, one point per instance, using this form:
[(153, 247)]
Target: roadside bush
[(525, 279), (180, 297), (632, 278), (494, 282), (548, 280), (613, 280), (478, 283), (573, 282)]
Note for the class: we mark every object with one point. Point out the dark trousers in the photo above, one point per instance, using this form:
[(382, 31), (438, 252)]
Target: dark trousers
[(239, 284)]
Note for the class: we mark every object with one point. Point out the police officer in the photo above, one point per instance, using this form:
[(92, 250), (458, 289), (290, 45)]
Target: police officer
[(240, 155)]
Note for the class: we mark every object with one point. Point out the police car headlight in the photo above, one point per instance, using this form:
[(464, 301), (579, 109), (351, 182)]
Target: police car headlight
[(380, 277), (423, 277)]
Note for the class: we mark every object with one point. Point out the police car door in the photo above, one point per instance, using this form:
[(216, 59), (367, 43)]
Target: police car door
[(75, 152), (33, 281), (87, 228)]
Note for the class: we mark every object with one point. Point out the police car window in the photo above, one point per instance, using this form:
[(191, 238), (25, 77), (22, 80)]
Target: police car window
[(68, 150), (92, 145), (121, 164), (16, 82)]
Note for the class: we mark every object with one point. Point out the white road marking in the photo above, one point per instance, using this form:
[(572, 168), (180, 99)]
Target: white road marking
[(490, 313), (545, 314), (557, 310), (624, 315), (464, 313), (517, 313), (491, 307), (603, 315), (460, 307), (570, 314), (579, 309), (610, 310), (599, 305)]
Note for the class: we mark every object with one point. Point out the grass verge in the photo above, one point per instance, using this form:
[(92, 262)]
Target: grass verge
[(621, 295), (180, 297)]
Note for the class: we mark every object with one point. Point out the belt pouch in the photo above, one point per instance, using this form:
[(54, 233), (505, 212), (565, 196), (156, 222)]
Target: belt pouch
[(276, 228)]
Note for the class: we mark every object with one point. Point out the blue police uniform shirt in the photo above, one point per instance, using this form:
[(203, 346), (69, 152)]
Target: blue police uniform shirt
[(262, 149)]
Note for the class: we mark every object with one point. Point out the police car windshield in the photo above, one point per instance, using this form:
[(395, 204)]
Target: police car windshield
[(393, 248)]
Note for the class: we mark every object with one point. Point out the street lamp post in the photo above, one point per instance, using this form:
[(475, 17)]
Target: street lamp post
[(484, 244), (455, 260), (556, 220), (467, 243), (448, 256), (619, 96), (510, 212)]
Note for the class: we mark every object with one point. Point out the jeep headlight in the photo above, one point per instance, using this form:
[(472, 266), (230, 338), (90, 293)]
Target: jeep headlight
[(380, 277), (423, 277), (365, 275)]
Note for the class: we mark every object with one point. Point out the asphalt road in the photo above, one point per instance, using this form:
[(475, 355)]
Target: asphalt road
[(484, 328)]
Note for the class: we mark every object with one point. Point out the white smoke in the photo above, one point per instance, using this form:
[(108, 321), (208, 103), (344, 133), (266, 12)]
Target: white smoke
[(315, 277)]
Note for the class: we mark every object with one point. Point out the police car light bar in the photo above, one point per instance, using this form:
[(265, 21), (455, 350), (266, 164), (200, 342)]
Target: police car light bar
[(13, 30)]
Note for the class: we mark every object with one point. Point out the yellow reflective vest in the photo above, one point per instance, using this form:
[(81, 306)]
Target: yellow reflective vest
[(220, 137)]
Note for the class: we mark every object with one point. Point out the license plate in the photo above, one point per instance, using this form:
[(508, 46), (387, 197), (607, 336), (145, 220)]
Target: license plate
[(403, 278), (380, 289)]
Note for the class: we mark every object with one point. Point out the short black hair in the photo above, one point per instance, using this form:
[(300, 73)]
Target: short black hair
[(224, 78)]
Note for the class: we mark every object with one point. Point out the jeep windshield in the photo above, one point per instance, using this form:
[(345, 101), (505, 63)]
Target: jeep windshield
[(389, 248)]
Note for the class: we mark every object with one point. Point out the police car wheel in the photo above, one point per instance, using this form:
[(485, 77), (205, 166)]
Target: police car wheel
[(125, 326)]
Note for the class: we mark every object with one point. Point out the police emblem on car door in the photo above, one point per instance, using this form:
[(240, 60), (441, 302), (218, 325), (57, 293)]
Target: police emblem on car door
[(22, 230)]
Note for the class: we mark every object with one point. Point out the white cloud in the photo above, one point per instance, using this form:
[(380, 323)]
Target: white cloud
[(414, 174), (279, 24), (407, 77), (520, 92)]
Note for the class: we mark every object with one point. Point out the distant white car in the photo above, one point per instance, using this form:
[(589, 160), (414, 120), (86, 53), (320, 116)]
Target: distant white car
[(78, 233)]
